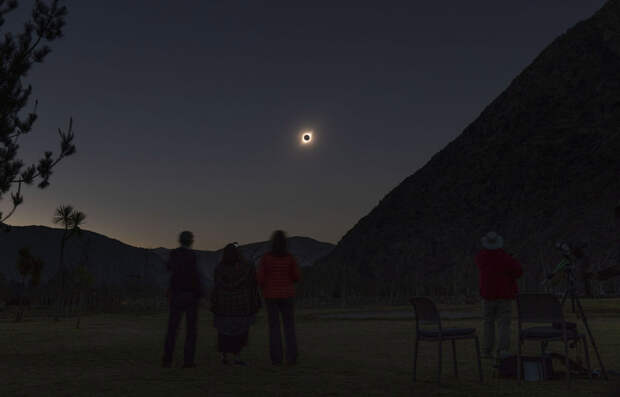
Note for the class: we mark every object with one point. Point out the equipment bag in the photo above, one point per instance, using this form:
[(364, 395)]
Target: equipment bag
[(532, 367)]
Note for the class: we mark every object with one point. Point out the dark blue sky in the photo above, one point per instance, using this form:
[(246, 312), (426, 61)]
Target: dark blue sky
[(188, 116)]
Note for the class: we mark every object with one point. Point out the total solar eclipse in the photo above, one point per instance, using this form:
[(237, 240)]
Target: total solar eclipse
[(306, 137)]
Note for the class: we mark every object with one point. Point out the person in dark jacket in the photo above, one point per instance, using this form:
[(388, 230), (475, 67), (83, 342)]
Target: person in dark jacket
[(234, 302), (278, 272), (184, 293), (498, 272)]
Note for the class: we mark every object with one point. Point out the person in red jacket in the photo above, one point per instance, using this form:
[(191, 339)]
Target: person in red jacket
[(498, 272), (277, 274)]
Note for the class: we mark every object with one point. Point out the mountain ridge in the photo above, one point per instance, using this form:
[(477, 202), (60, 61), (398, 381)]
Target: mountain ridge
[(113, 262), (539, 164)]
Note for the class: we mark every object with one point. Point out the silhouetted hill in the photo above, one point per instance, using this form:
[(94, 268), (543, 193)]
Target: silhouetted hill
[(305, 249), (115, 263), (541, 163), (110, 261)]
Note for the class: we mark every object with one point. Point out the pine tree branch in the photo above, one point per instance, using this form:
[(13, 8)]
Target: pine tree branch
[(15, 204)]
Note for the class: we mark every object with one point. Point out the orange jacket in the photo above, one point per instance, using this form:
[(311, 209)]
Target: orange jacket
[(277, 276)]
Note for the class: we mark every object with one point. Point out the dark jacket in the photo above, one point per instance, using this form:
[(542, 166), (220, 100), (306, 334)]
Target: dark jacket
[(184, 277), (235, 292), (498, 273)]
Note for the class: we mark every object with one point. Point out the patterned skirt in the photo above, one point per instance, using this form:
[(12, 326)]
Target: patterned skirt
[(232, 332)]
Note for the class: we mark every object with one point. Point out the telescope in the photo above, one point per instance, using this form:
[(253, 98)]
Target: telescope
[(567, 263)]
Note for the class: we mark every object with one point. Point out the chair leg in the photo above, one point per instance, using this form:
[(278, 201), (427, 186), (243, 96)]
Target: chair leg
[(587, 354), (478, 355), (439, 361), (456, 370), (519, 341), (566, 359), (415, 357)]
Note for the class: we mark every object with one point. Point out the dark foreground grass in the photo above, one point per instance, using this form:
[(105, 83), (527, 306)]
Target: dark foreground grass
[(119, 355)]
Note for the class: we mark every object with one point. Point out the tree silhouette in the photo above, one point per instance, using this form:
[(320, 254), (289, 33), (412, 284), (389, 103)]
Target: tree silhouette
[(71, 220), (82, 281), (18, 53), (27, 265)]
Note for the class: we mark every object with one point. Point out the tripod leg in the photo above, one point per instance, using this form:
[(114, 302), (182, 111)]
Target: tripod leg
[(587, 354), (564, 297), (585, 324)]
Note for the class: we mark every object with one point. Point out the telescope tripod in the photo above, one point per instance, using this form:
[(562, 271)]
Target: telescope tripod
[(576, 303)]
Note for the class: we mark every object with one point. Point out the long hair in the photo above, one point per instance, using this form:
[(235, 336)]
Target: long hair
[(278, 243)]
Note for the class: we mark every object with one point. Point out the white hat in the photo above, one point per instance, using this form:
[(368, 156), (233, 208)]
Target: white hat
[(492, 241)]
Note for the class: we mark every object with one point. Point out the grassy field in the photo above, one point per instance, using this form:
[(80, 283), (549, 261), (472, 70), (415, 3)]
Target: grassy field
[(119, 355)]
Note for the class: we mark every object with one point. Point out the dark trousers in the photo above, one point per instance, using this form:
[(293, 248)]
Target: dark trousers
[(285, 308), (191, 319)]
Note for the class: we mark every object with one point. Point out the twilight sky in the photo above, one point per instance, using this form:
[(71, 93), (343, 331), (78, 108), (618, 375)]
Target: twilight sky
[(187, 114)]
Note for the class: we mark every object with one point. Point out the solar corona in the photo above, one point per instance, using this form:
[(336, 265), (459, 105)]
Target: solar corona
[(306, 137)]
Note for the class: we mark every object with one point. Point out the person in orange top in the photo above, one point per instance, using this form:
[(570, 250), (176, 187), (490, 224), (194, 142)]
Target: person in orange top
[(277, 274)]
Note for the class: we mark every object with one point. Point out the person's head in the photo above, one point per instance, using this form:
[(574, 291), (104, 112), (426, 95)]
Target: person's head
[(186, 239), (278, 243), (231, 254), (492, 241)]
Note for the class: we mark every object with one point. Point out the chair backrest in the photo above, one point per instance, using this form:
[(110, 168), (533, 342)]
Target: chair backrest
[(539, 308), (425, 311)]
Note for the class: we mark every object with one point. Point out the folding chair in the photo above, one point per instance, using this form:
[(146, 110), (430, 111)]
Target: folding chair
[(545, 308), (426, 313)]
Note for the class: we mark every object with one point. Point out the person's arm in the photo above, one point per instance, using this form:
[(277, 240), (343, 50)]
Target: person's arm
[(254, 288), (295, 271), (170, 261), (170, 267), (200, 287), (260, 274), (514, 268)]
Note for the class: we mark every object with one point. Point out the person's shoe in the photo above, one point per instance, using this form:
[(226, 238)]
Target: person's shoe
[(189, 365), (242, 363), (225, 361)]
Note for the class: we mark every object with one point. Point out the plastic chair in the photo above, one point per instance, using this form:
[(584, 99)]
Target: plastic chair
[(545, 308), (426, 313)]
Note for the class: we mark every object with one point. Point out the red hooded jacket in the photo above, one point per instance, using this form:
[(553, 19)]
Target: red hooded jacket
[(498, 273)]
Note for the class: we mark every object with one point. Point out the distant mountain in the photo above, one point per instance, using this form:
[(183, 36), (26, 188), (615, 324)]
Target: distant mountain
[(306, 251), (540, 164), (115, 263), (110, 261)]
